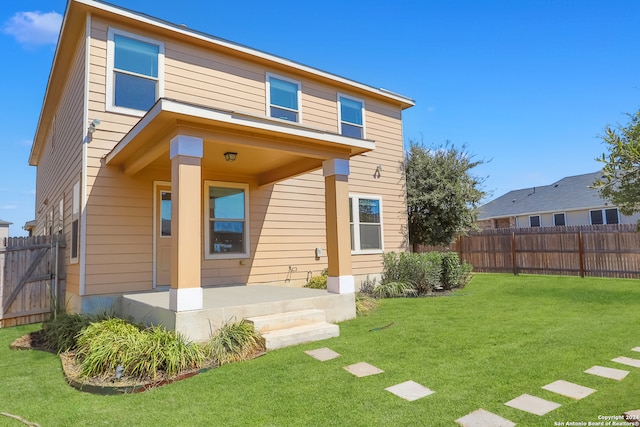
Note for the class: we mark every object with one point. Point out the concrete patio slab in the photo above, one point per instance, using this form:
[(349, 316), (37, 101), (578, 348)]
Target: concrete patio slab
[(363, 369), (601, 371), (632, 417), (483, 418), (567, 389), (533, 404), (410, 390), (627, 361), (322, 354)]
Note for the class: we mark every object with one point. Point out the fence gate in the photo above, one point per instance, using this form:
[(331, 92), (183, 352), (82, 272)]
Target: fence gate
[(31, 278)]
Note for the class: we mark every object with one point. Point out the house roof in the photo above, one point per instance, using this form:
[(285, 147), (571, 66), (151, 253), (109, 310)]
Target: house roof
[(73, 27), (568, 194), (5, 223)]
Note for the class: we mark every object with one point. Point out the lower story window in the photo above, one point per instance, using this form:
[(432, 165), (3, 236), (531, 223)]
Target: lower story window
[(534, 221), (559, 220), (227, 232), (604, 216), (365, 217)]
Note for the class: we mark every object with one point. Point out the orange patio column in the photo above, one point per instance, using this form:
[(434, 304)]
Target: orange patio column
[(336, 183), (186, 187)]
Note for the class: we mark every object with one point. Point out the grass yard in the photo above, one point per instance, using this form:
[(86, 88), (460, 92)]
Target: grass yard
[(484, 345)]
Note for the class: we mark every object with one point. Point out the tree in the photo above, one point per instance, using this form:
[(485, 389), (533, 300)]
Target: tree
[(620, 182), (442, 194)]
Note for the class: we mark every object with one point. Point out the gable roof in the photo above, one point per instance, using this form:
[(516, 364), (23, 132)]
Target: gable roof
[(73, 27), (569, 193), (5, 223)]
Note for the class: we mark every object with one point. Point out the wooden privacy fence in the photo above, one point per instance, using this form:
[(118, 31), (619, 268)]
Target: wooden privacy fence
[(594, 250), (31, 278)]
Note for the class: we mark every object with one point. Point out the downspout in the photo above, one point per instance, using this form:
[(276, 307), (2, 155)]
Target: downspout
[(85, 141)]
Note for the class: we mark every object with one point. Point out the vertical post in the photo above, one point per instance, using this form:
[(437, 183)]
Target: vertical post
[(581, 253), (336, 182), (513, 253), (186, 155)]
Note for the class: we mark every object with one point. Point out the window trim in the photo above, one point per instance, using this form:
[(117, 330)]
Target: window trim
[(247, 223), (603, 212), (110, 85), (539, 221), (268, 77), (354, 198), (564, 215), (75, 217), (353, 98)]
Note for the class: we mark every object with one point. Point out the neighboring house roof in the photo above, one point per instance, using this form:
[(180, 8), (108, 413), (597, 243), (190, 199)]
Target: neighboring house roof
[(568, 194), (7, 223), (73, 27)]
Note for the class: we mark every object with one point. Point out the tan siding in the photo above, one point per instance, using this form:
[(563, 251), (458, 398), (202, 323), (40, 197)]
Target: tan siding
[(60, 163)]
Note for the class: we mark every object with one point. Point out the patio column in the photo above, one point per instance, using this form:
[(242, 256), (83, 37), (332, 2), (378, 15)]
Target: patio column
[(186, 187), (336, 182)]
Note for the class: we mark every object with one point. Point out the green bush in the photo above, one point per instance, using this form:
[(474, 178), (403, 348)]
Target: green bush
[(105, 345), (367, 286), (454, 273), (61, 332), (317, 282), (234, 342)]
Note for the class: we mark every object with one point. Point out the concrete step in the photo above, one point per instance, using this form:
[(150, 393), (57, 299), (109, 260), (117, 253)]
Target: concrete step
[(288, 319), (295, 335)]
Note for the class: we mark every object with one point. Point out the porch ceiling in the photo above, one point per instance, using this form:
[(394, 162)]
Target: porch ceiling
[(269, 150)]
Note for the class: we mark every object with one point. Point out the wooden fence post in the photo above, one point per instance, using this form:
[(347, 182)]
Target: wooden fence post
[(581, 253), (513, 253)]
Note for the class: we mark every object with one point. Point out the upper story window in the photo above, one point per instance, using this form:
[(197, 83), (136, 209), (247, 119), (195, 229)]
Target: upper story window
[(283, 98), (134, 74), (604, 216), (351, 116)]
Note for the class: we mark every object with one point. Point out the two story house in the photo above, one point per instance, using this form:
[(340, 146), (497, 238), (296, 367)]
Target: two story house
[(172, 159)]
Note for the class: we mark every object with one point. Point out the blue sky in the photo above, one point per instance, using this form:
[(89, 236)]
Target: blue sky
[(529, 85)]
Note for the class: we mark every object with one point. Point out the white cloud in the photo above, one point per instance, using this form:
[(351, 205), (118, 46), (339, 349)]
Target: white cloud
[(34, 28), (8, 207)]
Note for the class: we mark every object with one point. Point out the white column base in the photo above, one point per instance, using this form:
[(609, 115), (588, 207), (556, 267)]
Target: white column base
[(186, 299), (341, 284)]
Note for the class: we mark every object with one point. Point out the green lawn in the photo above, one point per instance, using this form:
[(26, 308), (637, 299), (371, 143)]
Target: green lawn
[(498, 338)]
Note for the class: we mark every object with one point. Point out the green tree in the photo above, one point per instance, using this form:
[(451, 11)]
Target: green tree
[(620, 181), (442, 195)]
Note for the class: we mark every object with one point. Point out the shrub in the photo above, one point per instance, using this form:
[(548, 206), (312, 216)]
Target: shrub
[(454, 273), (422, 271), (393, 290), (367, 286), (105, 345), (61, 332), (365, 303), (235, 342), (318, 282)]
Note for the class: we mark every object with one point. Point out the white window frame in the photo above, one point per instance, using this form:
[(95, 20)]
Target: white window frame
[(604, 215), (268, 77), (364, 128), (110, 71), (61, 216), (75, 216), (247, 223), (539, 221), (565, 219), (354, 199)]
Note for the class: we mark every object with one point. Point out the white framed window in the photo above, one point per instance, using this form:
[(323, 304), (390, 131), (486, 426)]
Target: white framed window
[(559, 219), (365, 220), (351, 116), (604, 216), (135, 72), (284, 98), (61, 216), (534, 221), (75, 222), (226, 220)]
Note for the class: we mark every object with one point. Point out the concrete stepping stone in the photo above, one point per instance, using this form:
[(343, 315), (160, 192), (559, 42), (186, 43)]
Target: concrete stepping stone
[(636, 349), (632, 417), (322, 354), (614, 374), (567, 389), (627, 361), (484, 418), (533, 404), (410, 390), (363, 369)]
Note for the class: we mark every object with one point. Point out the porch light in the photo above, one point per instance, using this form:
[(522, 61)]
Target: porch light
[(230, 156)]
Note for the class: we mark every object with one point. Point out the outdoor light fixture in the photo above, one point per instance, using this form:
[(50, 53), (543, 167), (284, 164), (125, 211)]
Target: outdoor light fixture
[(92, 126), (230, 156)]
